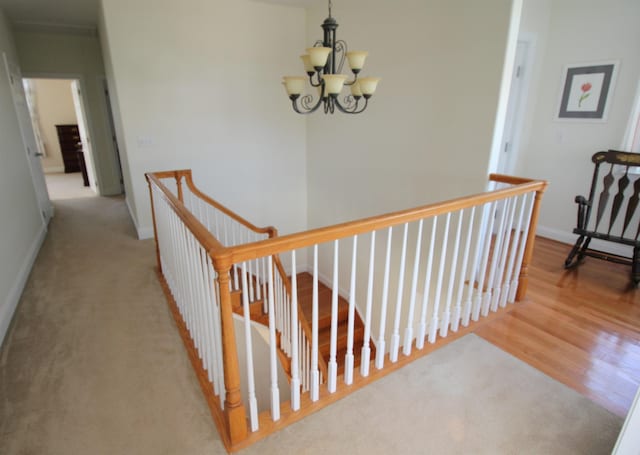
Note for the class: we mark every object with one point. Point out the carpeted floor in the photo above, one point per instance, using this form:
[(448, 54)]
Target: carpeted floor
[(67, 186), (93, 364)]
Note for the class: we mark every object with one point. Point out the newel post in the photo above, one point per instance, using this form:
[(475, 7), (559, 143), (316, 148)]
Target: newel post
[(233, 405), (178, 177), (153, 218), (523, 279)]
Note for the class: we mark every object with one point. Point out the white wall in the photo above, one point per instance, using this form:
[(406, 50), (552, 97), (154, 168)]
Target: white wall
[(55, 107), (21, 228), (426, 135), (197, 85), (567, 32), (50, 52)]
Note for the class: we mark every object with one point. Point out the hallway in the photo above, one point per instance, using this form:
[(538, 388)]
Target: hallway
[(93, 364), (92, 347)]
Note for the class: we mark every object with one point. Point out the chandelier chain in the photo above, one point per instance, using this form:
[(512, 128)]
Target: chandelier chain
[(330, 6)]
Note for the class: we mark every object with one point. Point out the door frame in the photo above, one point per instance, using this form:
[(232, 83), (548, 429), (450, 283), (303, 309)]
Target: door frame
[(506, 162), (95, 165), (27, 134)]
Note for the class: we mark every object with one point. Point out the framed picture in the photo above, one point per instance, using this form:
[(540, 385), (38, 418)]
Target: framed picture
[(586, 90)]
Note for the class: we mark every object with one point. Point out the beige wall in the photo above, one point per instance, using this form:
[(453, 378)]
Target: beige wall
[(45, 53), (55, 107), (21, 228), (568, 32), (427, 133), (197, 85)]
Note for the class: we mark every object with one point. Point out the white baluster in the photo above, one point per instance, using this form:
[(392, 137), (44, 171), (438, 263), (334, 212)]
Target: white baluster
[(487, 235), (497, 285), (365, 355), (422, 328), (521, 248), (463, 272), (513, 251), (333, 364), (264, 287), (315, 374), (212, 328), (380, 348), (273, 358), (252, 278), (408, 332), (348, 358), (395, 337), (497, 249), (235, 268), (446, 315), (433, 327), (251, 386), (468, 307)]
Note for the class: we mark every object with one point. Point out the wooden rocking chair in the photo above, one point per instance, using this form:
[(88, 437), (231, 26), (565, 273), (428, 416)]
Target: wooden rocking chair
[(621, 170)]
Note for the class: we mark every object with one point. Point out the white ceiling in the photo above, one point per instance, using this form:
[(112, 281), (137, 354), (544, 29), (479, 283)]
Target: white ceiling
[(58, 12), (78, 12)]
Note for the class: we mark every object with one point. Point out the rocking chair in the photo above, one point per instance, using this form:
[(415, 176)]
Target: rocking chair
[(624, 168)]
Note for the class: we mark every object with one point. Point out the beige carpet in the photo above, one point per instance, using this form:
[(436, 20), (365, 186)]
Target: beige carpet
[(92, 364), (67, 186)]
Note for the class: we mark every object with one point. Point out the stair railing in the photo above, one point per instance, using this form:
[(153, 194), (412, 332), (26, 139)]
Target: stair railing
[(454, 262), (232, 229)]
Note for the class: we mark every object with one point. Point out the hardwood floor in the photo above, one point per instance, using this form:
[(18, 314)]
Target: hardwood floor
[(581, 326)]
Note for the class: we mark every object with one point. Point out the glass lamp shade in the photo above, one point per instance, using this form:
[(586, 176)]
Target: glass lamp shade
[(308, 67), (368, 85), (318, 56), (356, 59), (294, 85), (355, 89), (334, 83)]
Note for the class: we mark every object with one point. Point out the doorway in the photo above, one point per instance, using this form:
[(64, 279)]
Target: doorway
[(515, 109), (59, 124)]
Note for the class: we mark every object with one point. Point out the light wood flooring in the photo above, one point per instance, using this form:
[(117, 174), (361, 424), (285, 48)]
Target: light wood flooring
[(581, 326)]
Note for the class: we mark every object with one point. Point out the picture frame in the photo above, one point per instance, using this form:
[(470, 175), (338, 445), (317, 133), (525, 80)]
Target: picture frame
[(586, 91)]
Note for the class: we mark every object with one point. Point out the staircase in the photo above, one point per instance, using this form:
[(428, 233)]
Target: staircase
[(305, 303)]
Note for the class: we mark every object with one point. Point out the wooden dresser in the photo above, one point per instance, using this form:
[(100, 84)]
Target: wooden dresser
[(69, 138), (71, 148)]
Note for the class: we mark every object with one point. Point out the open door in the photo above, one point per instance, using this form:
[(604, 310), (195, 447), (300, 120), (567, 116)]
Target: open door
[(28, 138), (87, 145)]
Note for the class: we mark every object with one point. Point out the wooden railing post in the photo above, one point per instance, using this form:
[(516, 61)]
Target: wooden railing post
[(155, 230), (233, 405), (178, 178), (523, 279)]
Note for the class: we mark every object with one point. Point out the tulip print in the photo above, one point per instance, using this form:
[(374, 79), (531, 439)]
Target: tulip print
[(586, 87)]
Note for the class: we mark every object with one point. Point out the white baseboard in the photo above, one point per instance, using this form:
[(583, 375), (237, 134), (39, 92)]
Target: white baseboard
[(11, 302), (599, 245), (144, 232)]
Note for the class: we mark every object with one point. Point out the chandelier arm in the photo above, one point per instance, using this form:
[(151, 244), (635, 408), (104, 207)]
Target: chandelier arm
[(355, 79), (316, 84), (304, 103), (347, 110), (341, 48)]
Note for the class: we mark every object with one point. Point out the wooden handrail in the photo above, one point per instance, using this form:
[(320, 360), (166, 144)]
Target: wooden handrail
[(259, 230), (305, 239), (202, 234), (510, 179)]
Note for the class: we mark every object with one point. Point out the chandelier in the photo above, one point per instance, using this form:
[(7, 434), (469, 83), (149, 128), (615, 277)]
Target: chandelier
[(323, 64)]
